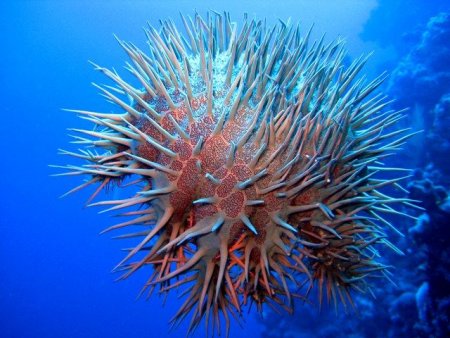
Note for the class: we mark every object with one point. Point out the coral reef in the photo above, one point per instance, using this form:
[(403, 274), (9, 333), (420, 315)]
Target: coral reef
[(430, 235), (425, 73), (395, 15), (437, 141)]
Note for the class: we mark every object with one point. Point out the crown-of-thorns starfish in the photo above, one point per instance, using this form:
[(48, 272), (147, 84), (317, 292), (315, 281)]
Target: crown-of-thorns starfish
[(255, 160)]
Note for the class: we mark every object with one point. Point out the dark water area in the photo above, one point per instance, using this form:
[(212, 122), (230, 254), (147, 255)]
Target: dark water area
[(55, 270)]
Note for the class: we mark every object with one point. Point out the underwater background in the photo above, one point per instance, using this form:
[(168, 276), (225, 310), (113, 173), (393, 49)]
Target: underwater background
[(55, 278)]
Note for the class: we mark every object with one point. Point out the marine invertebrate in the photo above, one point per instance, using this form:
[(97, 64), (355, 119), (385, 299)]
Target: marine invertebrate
[(254, 161)]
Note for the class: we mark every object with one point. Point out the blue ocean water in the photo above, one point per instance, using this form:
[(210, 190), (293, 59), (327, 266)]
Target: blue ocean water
[(55, 278)]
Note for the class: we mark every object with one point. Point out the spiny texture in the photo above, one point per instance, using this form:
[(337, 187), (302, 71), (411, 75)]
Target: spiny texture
[(255, 164)]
